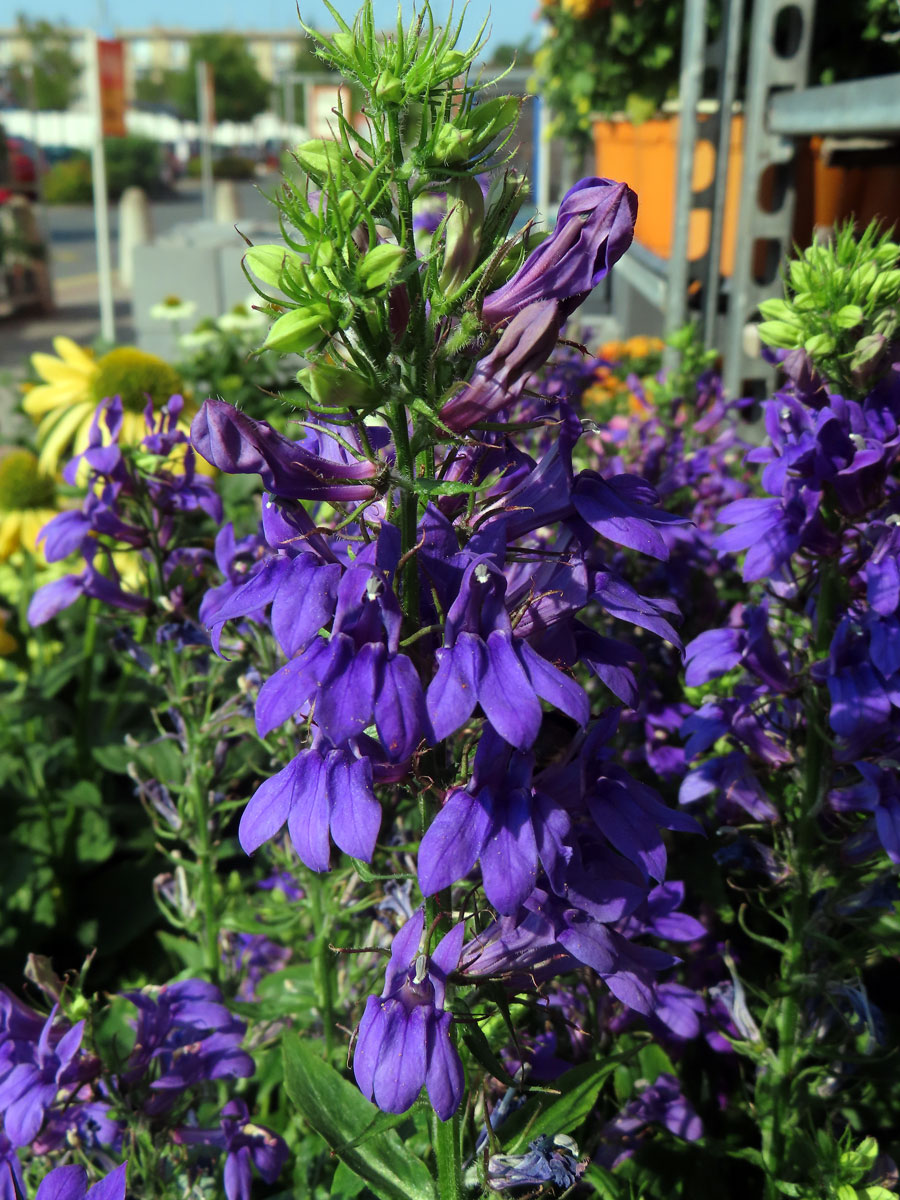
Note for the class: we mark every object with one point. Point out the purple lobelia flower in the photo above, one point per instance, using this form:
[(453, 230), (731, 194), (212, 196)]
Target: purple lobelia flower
[(31, 1087), (549, 1160), (482, 662), (324, 789), (358, 675), (246, 1145), (662, 1103), (404, 1036), (500, 819), (70, 1182), (234, 443), (594, 228)]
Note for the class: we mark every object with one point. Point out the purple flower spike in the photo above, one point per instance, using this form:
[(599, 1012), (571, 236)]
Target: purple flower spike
[(594, 228), (404, 1036), (70, 1183), (235, 444), (31, 1087)]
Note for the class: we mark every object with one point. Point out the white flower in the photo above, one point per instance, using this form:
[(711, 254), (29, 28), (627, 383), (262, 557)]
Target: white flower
[(172, 308), (198, 339), (242, 318)]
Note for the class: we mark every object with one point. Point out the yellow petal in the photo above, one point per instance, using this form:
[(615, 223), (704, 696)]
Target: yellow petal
[(134, 427), (9, 534), (74, 354), (54, 370), (47, 396), (32, 522), (59, 436)]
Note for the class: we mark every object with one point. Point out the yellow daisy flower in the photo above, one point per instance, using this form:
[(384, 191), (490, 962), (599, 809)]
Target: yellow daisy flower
[(75, 383), (27, 502)]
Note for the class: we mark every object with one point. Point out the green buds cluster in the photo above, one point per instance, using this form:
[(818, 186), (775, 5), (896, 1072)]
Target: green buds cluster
[(464, 141), (841, 305), (396, 70)]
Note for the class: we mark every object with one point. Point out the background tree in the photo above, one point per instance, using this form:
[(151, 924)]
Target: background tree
[(241, 91), (55, 69)]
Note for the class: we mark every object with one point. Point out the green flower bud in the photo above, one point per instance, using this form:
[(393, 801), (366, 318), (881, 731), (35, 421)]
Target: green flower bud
[(297, 330), (268, 263), (885, 287), (862, 278), (465, 223), (380, 265), (848, 317), (800, 275), (819, 345), (778, 310), (337, 387), (779, 333), (323, 160), (388, 88), (449, 65), (452, 145)]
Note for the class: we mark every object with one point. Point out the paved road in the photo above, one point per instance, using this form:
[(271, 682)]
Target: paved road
[(71, 227)]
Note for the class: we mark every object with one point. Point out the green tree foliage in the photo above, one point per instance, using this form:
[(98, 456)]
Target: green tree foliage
[(241, 92), (50, 77)]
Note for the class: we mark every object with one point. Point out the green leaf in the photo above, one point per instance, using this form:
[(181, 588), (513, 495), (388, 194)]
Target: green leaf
[(346, 1183), (340, 1114), (560, 1114)]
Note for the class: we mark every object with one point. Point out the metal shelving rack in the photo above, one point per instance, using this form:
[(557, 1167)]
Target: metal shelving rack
[(779, 108)]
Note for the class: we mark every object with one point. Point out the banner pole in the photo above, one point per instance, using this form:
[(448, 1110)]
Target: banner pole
[(101, 202)]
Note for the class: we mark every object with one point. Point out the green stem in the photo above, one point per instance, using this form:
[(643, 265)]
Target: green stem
[(324, 961), (778, 1108), (85, 715), (445, 1136), (206, 860)]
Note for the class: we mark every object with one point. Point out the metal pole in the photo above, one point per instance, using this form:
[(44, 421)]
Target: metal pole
[(203, 112), (693, 45), (101, 202), (731, 40)]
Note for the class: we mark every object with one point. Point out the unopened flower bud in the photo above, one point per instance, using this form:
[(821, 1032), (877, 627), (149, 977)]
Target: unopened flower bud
[(388, 88), (819, 345), (779, 333), (337, 387), (465, 223), (380, 265), (297, 330)]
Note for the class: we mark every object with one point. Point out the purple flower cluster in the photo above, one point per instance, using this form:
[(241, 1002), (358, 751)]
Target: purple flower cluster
[(107, 528), (824, 540), (53, 1092)]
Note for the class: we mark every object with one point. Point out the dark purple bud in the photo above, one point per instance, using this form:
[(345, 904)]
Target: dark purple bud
[(594, 228), (234, 443), (500, 378)]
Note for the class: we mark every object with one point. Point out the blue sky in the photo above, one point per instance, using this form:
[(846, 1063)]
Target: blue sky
[(512, 20)]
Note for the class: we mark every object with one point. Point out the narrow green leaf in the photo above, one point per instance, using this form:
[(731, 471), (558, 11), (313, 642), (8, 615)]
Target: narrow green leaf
[(340, 1114), (546, 1114)]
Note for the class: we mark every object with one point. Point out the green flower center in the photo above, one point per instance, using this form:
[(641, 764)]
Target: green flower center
[(134, 375), (22, 485)]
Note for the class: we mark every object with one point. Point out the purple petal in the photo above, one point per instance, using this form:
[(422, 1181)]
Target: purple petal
[(453, 842), (400, 708), (554, 686), (506, 696), (711, 654), (355, 814), (347, 692), (304, 602), (52, 598), (365, 1056), (268, 808), (238, 1177), (310, 816), (292, 686), (453, 693), (63, 1183), (401, 1067), (110, 1188), (444, 1074), (509, 858)]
